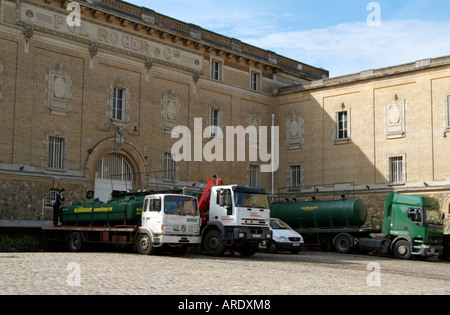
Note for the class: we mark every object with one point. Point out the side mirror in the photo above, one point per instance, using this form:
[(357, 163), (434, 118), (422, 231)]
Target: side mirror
[(221, 199)]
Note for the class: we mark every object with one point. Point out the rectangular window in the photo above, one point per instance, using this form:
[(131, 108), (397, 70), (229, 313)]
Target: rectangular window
[(118, 109), (342, 126), (254, 85), (168, 166), (215, 122), (216, 70), (56, 153), (396, 170), (254, 175), (295, 173)]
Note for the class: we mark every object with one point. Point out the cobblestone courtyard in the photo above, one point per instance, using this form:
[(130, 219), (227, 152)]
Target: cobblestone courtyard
[(306, 273)]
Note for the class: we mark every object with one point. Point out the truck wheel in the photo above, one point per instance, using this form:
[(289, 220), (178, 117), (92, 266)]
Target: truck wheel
[(272, 247), (343, 244), (144, 244), (75, 242), (402, 250), (213, 243)]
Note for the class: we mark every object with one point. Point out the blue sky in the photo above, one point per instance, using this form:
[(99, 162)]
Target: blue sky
[(334, 35)]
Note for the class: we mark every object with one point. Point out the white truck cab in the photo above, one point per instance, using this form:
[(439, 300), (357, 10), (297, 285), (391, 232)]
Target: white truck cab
[(238, 220), (169, 219)]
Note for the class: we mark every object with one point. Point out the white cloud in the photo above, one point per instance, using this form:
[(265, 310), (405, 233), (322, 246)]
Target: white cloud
[(353, 47)]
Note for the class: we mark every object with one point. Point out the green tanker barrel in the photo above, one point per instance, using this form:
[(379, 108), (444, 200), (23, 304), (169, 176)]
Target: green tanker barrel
[(321, 214), (124, 210)]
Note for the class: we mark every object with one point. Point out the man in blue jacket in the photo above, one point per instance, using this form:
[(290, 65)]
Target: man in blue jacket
[(57, 206)]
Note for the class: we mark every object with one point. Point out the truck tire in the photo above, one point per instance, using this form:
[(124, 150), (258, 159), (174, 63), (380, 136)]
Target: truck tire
[(402, 250), (75, 242), (343, 243), (144, 244), (213, 243), (272, 247)]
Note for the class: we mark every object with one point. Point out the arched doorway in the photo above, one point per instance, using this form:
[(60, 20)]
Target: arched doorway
[(127, 165), (113, 172)]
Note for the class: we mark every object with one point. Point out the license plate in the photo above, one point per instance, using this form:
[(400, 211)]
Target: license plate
[(295, 245), (256, 235)]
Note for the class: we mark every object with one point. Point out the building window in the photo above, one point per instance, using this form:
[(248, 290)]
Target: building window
[(254, 82), (215, 123), (168, 166), (295, 173), (56, 153), (114, 166), (50, 197), (342, 131), (216, 70), (254, 175), (396, 170), (118, 106)]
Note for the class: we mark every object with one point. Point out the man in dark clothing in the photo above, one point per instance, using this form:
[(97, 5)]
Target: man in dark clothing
[(57, 206)]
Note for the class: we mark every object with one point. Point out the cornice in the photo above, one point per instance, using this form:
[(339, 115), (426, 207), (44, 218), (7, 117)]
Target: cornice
[(364, 76), (146, 22)]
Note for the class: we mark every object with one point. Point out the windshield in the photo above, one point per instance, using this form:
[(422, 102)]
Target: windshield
[(251, 200), (180, 205), (433, 215), (276, 224)]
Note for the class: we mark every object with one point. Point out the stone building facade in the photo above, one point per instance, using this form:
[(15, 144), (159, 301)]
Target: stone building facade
[(92, 107), (369, 133)]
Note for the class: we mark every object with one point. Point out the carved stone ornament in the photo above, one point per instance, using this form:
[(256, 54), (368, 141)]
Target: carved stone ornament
[(93, 49), (294, 131), (171, 112), (59, 94), (28, 32), (196, 76), (148, 63), (395, 119)]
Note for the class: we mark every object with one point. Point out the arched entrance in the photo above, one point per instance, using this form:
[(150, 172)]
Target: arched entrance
[(113, 173), (108, 168)]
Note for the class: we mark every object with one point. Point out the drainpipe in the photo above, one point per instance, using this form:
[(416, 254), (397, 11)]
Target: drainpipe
[(272, 150)]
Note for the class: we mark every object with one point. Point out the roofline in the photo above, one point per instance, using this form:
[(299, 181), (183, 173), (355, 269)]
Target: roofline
[(418, 65), (198, 35)]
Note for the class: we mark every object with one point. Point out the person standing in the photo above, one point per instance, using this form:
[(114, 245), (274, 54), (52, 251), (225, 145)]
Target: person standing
[(57, 206)]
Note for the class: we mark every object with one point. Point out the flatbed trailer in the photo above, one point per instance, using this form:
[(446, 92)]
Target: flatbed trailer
[(75, 237)]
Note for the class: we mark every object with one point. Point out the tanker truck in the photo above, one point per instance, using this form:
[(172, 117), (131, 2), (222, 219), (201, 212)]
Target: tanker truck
[(411, 226), (143, 219)]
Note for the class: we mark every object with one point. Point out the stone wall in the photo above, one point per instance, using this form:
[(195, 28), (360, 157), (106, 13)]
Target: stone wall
[(22, 198)]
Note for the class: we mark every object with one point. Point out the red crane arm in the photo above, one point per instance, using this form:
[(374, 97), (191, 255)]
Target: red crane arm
[(204, 202)]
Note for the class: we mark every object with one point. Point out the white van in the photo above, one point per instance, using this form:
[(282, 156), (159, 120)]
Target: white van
[(284, 238)]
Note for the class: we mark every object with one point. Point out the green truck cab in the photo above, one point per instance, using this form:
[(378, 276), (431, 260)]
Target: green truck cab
[(414, 224)]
